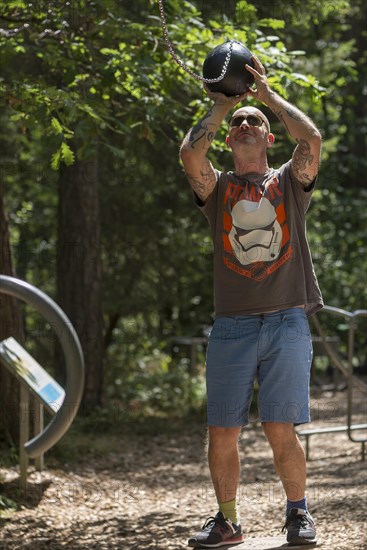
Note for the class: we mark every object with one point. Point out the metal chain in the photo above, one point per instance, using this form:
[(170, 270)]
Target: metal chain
[(181, 63)]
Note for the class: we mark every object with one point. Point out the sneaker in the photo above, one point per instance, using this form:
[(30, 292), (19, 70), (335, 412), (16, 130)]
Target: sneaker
[(217, 532), (300, 527)]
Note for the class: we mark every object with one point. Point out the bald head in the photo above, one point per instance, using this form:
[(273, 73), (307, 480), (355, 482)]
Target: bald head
[(248, 110)]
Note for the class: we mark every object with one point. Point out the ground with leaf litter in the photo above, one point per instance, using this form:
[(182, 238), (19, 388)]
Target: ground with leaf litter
[(152, 490)]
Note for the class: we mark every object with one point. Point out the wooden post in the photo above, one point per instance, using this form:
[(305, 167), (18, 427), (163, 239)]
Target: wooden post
[(23, 434), (38, 424)]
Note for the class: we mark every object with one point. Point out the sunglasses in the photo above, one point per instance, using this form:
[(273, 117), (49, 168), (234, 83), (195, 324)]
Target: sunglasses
[(252, 120)]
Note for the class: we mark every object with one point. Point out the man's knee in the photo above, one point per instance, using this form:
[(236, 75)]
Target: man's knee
[(279, 430), (280, 434), (223, 436)]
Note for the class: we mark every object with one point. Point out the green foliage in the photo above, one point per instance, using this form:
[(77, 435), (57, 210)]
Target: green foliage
[(64, 153), (340, 252), (154, 377), (158, 391)]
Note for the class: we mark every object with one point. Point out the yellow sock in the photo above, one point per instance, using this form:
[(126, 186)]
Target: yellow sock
[(229, 510)]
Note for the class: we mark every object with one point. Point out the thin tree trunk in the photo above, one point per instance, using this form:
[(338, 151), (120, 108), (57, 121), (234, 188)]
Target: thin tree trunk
[(79, 267), (10, 325)]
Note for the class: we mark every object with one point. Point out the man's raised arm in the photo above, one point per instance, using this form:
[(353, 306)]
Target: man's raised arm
[(199, 170), (306, 156)]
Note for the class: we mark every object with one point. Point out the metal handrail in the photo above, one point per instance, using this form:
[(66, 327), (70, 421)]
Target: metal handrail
[(351, 379), (334, 356)]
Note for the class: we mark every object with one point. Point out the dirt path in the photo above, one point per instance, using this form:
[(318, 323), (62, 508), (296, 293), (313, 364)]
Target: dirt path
[(152, 492)]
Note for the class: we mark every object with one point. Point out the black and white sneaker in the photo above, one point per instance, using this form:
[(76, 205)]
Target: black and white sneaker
[(300, 527), (217, 532)]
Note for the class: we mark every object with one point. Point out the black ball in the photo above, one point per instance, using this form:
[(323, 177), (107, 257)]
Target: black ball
[(237, 79)]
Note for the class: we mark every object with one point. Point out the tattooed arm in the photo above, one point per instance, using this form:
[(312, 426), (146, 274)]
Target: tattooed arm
[(199, 170), (306, 156)]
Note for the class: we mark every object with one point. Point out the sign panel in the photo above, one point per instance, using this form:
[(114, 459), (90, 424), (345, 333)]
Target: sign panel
[(25, 367)]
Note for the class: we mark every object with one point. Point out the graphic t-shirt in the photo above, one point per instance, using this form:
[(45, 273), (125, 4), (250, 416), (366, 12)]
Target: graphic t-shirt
[(262, 260)]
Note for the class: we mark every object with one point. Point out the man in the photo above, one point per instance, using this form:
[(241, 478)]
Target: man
[(264, 286)]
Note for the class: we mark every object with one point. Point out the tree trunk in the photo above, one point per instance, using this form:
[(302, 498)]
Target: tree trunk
[(10, 325), (79, 267)]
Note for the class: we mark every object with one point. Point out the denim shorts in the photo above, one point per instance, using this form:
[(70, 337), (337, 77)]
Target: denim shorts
[(272, 349)]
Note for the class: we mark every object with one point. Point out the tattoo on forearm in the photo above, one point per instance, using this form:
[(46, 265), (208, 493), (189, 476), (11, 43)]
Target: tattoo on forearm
[(198, 186), (210, 135), (281, 118), (296, 123), (295, 114), (202, 131), (203, 183), (207, 175), (302, 159), (304, 151)]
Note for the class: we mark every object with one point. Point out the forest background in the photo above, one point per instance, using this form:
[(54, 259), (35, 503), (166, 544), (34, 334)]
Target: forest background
[(94, 206)]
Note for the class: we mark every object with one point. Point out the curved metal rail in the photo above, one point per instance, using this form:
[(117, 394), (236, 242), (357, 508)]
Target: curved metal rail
[(73, 359), (347, 371)]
